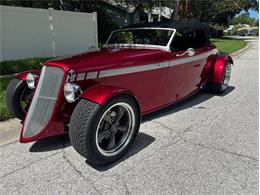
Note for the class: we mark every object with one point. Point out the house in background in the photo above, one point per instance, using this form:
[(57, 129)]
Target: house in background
[(249, 31), (241, 25), (229, 29)]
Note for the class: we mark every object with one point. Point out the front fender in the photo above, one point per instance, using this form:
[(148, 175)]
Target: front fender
[(218, 68), (100, 93), (22, 75)]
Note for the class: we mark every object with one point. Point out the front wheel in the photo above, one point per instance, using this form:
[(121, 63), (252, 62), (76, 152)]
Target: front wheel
[(102, 134), (221, 87), (18, 98)]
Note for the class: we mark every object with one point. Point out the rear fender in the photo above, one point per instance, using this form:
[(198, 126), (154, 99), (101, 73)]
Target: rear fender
[(22, 75), (100, 93), (207, 68), (219, 67)]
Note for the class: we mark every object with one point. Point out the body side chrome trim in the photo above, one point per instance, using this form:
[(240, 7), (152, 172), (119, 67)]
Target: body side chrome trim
[(176, 62), (134, 69), (147, 67), (92, 75), (81, 76)]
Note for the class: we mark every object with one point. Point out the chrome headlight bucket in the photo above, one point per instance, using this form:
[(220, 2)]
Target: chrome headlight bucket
[(30, 80), (72, 92)]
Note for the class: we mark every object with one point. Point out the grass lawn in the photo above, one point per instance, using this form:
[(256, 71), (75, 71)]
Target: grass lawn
[(4, 115), (228, 45), (15, 66)]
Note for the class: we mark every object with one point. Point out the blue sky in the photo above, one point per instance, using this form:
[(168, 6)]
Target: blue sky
[(253, 14)]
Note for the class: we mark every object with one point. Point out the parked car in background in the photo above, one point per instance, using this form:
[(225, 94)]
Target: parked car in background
[(242, 34), (99, 97)]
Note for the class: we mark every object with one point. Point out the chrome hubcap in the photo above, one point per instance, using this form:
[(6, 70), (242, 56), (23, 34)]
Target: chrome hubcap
[(115, 129), (226, 76)]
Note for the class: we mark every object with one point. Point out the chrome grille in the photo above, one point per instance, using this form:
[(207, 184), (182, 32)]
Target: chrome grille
[(44, 100)]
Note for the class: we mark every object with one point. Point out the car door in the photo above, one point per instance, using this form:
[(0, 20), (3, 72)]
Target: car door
[(183, 75)]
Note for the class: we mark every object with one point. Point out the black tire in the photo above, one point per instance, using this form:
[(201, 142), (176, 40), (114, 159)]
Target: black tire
[(14, 91), (84, 124), (219, 88)]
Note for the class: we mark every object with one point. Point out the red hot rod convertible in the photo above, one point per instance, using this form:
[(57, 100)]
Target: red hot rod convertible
[(99, 97)]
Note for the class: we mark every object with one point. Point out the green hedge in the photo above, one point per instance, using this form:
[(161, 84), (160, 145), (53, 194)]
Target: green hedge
[(15, 66), (4, 114)]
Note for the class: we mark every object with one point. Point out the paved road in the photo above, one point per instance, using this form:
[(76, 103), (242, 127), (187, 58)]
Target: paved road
[(205, 145)]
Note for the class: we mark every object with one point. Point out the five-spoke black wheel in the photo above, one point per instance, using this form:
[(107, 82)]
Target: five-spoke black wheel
[(103, 134)]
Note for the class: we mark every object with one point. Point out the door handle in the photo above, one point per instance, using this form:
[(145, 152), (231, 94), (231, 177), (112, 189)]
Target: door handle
[(197, 65), (178, 55)]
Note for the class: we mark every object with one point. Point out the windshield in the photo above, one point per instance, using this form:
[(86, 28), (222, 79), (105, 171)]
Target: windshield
[(154, 37)]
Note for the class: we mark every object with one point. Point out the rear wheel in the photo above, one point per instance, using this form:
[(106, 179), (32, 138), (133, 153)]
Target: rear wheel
[(103, 134), (18, 98), (221, 87)]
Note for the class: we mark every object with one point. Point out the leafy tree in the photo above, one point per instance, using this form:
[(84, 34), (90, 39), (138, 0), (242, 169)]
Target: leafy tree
[(243, 18), (220, 11), (210, 11)]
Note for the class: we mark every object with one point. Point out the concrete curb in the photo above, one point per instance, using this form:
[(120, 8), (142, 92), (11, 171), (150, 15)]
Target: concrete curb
[(238, 53), (9, 131)]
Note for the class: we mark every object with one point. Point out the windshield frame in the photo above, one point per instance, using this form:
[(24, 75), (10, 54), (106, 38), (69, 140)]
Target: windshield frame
[(167, 47)]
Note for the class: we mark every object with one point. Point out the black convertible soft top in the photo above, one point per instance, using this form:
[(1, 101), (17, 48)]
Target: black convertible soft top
[(178, 25)]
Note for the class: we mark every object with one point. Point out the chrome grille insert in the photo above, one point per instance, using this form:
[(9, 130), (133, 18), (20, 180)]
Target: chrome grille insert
[(44, 100)]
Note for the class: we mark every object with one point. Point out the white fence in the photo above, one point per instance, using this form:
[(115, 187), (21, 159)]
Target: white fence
[(29, 32)]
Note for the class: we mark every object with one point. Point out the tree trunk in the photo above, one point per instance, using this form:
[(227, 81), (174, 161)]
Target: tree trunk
[(176, 10), (150, 17), (160, 11)]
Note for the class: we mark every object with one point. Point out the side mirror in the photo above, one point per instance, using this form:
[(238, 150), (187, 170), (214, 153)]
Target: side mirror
[(190, 52)]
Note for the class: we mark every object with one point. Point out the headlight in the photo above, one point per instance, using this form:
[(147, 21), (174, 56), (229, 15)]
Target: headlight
[(30, 80), (72, 92)]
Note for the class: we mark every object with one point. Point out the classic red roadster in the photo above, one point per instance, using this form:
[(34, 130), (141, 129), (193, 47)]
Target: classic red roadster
[(99, 97)]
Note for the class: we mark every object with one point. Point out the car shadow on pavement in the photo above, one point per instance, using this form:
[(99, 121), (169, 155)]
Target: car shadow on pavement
[(51, 143), (142, 140), (190, 102), (62, 141)]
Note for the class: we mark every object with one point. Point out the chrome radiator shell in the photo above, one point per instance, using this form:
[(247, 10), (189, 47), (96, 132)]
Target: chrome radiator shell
[(44, 101)]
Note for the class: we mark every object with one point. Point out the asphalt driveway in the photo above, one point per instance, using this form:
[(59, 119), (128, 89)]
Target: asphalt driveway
[(204, 145)]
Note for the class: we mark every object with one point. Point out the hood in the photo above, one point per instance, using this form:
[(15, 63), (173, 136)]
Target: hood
[(108, 58)]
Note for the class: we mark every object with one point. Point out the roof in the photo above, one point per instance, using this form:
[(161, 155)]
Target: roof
[(178, 25)]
